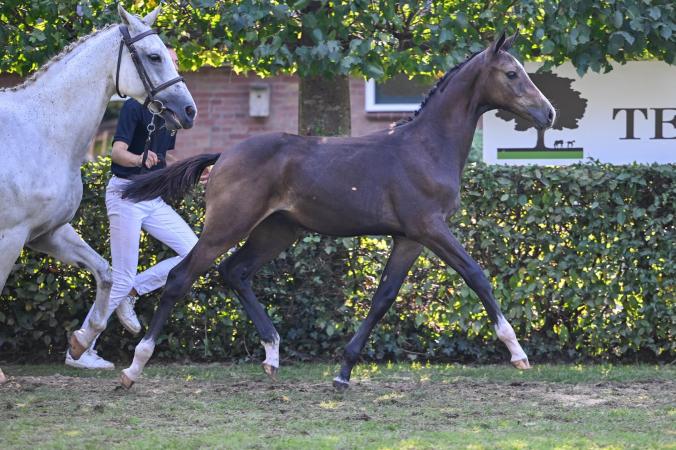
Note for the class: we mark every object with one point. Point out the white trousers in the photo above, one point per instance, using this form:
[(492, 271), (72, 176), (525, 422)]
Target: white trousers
[(126, 221)]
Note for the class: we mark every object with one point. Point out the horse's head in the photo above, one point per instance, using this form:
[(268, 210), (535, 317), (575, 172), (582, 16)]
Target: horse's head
[(177, 105), (506, 85)]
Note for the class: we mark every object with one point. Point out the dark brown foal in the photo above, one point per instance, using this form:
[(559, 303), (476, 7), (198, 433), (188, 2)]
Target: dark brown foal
[(403, 182)]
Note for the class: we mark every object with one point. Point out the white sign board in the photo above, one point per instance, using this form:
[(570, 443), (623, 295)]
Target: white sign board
[(620, 117)]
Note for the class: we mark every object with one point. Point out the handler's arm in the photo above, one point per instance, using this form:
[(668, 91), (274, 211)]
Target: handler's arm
[(123, 157)]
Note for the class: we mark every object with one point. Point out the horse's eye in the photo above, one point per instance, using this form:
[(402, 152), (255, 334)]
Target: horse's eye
[(511, 74), (154, 57)]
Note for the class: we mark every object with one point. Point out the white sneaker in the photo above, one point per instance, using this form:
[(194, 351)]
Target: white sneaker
[(127, 316), (89, 360)]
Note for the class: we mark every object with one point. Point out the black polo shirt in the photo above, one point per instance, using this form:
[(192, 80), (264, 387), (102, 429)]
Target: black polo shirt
[(132, 130)]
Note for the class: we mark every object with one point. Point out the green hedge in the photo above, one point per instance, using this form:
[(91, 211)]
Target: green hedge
[(581, 259)]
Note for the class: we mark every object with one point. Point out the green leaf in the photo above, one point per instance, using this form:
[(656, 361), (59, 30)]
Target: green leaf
[(374, 71), (317, 35), (655, 12), (627, 37), (618, 19), (547, 47), (445, 36), (461, 19)]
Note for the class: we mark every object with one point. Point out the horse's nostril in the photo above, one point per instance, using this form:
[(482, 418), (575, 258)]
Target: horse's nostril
[(550, 116), (190, 111)]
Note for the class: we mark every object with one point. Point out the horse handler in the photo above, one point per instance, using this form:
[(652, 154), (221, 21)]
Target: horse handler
[(128, 218)]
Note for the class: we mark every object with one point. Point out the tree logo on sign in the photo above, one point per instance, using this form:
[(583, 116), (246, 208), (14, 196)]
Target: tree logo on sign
[(570, 108)]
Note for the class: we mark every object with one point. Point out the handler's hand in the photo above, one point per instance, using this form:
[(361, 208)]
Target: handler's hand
[(205, 175), (152, 159)]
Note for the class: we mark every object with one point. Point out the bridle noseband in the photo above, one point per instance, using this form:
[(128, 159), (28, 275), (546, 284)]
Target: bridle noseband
[(154, 105)]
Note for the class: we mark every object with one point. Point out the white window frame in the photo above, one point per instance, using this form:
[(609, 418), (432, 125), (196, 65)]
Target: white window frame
[(370, 104)]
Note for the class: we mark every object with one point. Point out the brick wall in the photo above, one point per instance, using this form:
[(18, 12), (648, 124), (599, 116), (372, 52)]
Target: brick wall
[(223, 120), (222, 99)]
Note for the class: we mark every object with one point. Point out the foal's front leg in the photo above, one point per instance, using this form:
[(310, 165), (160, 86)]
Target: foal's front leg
[(66, 245), (404, 253), (441, 241)]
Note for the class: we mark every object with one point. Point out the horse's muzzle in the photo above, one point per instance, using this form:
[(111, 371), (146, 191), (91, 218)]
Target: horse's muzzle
[(542, 117), (180, 118)]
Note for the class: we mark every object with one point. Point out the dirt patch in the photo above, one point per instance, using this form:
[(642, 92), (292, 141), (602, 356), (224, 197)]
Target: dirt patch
[(635, 394), (575, 400)]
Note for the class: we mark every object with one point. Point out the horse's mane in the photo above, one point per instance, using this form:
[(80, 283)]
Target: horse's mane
[(62, 54), (439, 85)]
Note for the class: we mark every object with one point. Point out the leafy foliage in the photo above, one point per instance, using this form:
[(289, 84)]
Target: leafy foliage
[(581, 259), (373, 38)]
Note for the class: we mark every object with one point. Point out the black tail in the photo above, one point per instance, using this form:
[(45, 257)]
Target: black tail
[(170, 183)]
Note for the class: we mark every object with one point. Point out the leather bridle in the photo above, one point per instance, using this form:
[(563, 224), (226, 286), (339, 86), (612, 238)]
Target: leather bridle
[(154, 105)]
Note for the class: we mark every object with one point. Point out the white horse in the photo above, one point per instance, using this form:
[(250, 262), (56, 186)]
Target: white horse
[(46, 124)]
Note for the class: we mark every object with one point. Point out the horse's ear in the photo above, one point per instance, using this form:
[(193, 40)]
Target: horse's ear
[(510, 41), (129, 19), (150, 18), (497, 45)]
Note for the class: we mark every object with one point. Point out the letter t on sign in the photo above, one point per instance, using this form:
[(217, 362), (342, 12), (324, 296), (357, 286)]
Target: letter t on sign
[(630, 120), (659, 121)]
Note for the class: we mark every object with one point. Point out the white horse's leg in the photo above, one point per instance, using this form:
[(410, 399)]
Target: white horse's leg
[(11, 243), (66, 245)]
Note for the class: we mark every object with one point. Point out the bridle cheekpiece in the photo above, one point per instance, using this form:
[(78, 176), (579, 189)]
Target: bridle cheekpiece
[(154, 105)]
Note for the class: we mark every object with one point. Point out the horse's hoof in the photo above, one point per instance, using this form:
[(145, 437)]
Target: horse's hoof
[(270, 371), (340, 385), (3, 378), (522, 364), (125, 381), (76, 349)]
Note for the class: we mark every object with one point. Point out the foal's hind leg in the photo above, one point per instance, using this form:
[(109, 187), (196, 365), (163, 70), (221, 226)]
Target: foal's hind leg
[(404, 253), (67, 246), (266, 241)]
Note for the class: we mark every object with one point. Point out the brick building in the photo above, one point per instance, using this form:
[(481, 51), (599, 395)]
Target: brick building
[(224, 119)]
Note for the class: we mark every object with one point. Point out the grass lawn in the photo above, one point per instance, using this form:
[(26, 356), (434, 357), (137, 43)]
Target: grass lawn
[(544, 154), (388, 406)]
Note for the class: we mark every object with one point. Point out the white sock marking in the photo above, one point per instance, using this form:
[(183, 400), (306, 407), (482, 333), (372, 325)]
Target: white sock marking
[(142, 353), (85, 336), (506, 334), (272, 351), (340, 379)]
